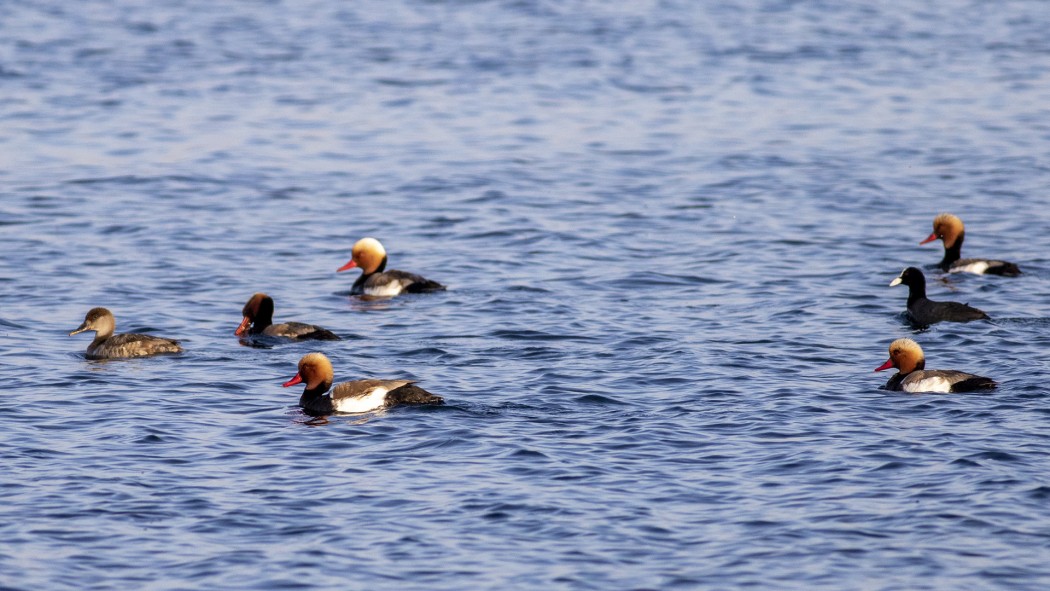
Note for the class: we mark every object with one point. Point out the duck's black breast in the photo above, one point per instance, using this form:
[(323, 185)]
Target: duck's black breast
[(894, 382), (358, 287), (315, 405)]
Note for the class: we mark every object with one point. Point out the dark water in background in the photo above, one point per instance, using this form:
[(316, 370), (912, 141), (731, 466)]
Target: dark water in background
[(668, 229)]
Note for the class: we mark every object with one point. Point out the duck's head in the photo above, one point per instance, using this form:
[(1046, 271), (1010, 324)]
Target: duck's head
[(368, 254), (315, 370), (258, 309), (947, 228), (906, 355), (910, 276), (99, 320)]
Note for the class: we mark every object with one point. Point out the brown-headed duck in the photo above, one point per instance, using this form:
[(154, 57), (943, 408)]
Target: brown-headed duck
[(258, 320), (949, 230), (315, 370), (370, 256), (107, 345), (906, 355)]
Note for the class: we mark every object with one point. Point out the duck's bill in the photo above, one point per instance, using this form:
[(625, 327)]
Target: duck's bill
[(243, 327), (929, 238), (887, 365), (895, 282), (347, 266), (79, 329), (296, 380)]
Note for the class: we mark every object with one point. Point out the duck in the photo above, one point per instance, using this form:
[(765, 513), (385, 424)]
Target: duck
[(370, 256), (925, 312), (950, 231), (258, 320), (906, 355), (315, 370), (107, 345)]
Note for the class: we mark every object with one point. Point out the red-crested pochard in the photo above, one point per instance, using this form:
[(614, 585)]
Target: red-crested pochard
[(107, 345), (949, 230), (258, 320), (370, 256), (906, 355), (315, 370)]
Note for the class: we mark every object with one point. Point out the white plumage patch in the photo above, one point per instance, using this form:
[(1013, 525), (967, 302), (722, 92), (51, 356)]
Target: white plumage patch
[(978, 268), (388, 289), (934, 384), (375, 398)]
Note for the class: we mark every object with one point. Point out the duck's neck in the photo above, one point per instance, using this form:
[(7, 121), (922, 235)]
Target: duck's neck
[(314, 401), (909, 366), (260, 322), (100, 337), (315, 392), (379, 268), (262, 316), (904, 371), (895, 381), (102, 333), (359, 285), (916, 292), (952, 253)]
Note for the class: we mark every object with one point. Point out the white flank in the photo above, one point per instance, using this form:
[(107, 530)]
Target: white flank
[(375, 398), (978, 268), (391, 288), (935, 384)]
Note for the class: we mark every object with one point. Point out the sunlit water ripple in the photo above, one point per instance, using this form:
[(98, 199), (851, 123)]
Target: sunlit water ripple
[(668, 230)]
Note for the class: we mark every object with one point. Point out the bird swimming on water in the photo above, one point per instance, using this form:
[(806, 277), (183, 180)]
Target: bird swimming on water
[(924, 311), (375, 281), (906, 355), (258, 320), (950, 231), (107, 345), (321, 398)]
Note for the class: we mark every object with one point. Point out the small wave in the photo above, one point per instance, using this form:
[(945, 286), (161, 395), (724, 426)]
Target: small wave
[(598, 399), (535, 335), (401, 82)]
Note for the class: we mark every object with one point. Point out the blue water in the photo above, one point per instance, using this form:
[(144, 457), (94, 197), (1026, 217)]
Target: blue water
[(667, 229)]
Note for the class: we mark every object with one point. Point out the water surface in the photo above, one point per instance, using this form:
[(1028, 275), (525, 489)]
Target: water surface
[(667, 229)]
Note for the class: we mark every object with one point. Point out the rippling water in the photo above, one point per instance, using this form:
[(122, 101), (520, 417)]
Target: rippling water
[(668, 230)]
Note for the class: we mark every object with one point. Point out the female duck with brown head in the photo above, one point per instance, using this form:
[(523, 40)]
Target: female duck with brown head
[(949, 230), (258, 320), (906, 355), (315, 370), (370, 256), (110, 346)]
